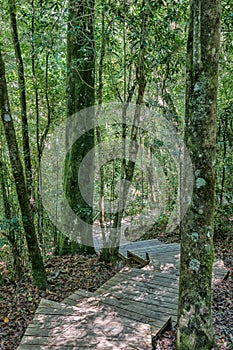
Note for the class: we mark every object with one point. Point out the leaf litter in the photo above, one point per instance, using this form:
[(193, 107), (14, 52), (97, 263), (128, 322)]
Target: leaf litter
[(19, 299)]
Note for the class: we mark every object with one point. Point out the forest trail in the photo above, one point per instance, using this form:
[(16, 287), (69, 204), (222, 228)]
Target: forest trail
[(127, 312)]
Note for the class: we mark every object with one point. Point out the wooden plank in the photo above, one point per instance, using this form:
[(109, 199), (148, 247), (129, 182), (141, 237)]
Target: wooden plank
[(145, 243), (50, 321), (133, 342), (139, 244), (80, 347), (141, 260), (46, 347), (168, 268), (154, 254), (43, 321), (154, 249), (134, 310), (129, 273), (166, 254), (141, 291), (114, 325), (123, 257), (143, 285), (148, 299), (76, 297), (160, 247), (93, 325), (160, 290), (165, 257), (155, 299), (61, 347), (137, 307), (49, 307), (143, 276), (147, 287), (92, 307), (151, 274)]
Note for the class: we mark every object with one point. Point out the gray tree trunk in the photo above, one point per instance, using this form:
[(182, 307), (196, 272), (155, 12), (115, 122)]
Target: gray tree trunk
[(195, 330)]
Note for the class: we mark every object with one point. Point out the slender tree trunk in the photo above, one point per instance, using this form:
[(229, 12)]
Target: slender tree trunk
[(105, 254), (195, 330), (12, 232), (223, 132), (128, 169), (38, 144), (22, 90), (39, 275)]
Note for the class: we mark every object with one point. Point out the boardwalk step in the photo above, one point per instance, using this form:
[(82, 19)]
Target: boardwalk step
[(75, 298), (147, 278), (146, 296), (159, 253), (143, 296), (124, 313), (139, 245), (166, 258), (90, 326)]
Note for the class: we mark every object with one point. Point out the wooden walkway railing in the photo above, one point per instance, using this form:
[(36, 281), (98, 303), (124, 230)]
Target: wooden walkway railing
[(127, 312)]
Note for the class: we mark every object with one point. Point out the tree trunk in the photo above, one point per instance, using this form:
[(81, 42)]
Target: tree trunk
[(13, 231), (39, 275), (22, 91), (128, 169), (195, 330), (80, 95)]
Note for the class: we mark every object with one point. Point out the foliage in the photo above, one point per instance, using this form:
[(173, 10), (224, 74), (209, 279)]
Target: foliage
[(42, 28)]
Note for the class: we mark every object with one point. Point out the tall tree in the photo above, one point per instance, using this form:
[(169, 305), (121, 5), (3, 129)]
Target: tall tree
[(38, 270), (129, 167), (80, 95), (22, 91), (195, 330)]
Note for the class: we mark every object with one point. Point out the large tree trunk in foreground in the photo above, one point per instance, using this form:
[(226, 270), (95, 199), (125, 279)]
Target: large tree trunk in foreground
[(80, 95), (39, 275), (195, 330)]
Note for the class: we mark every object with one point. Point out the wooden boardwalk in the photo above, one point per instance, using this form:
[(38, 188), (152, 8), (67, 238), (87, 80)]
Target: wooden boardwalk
[(141, 296), (124, 313), (91, 325)]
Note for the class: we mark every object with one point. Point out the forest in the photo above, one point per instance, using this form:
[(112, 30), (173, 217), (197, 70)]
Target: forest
[(116, 162)]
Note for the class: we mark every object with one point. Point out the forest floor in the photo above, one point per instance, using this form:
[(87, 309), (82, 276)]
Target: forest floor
[(19, 300)]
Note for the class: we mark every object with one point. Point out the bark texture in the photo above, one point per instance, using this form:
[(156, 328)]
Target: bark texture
[(195, 330), (22, 92), (80, 95), (39, 275)]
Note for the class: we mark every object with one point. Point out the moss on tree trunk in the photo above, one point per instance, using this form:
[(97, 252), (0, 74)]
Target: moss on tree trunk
[(80, 95), (195, 330)]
